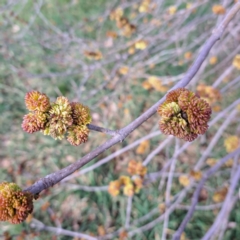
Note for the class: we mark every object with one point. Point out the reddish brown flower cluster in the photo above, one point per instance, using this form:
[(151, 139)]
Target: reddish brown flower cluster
[(184, 114), (15, 205), (57, 118)]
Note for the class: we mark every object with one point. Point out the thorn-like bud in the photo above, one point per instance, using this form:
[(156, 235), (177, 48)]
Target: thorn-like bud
[(15, 205)]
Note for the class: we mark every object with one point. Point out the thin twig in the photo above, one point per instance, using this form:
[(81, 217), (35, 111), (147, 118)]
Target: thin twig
[(215, 139), (101, 129), (201, 208), (36, 224), (226, 208), (157, 150), (230, 84), (71, 186), (235, 164), (195, 197), (168, 191), (128, 211), (160, 218), (224, 75)]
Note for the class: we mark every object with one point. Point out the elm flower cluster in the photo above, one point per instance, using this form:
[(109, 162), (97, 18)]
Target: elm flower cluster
[(129, 185), (38, 104), (184, 114), (56, 119), (122, 22), (208, 93), (15, 205)]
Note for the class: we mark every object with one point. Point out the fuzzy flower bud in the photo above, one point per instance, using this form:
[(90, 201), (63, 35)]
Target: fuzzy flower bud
[(34, 121), (15, 205), (60, 118), (184, 114), (80, 113), (77, 134), (36, 101)]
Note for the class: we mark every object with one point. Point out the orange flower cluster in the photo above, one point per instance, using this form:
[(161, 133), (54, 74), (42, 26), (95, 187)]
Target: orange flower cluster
[(57, 118), (184, 114), (123, 22), (129, 185), (136, 168), (218, 9), (15, 205), (208, 93)]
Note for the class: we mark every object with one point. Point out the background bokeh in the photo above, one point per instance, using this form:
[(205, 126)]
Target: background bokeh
[(118, 58)]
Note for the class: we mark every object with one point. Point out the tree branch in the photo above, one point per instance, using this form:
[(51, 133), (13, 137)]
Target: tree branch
[(226, 208), (56, 177)]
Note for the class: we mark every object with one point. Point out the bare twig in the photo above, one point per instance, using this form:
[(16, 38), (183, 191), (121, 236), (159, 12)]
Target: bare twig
[(171, 207), (215, 139), (201, 208), (160, 218), (224, 223), (157, 150), (195, 197), (36, 224), (71, 186), (101, 129), (168, 191), (235, 164), (230, 84), (226, 208), (128, 212), (224, 75)]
